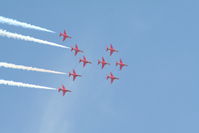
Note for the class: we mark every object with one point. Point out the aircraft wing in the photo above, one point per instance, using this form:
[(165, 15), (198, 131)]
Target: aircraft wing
[(112, 80), (84, 64), (64, 38), (74, 71), (121, 61), (121, 67), (74, 77), (103, 65), (63, 88), (64, 92), (76, 53), (111, 52)]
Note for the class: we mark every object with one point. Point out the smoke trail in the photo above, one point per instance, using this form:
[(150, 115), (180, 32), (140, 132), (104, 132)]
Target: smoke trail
[(19, 84), (8, 65), (9, 21), (5, 33)]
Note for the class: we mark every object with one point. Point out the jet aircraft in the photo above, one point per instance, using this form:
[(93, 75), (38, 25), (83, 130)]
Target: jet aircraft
[(121, 64), (85, 61), (64, 90), (76, 49), (111, 49), (65, 35), (112, 77), (74, 74), (103, 62)]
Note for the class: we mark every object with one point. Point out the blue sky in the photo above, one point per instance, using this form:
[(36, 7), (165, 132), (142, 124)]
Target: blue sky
[(156, 93)]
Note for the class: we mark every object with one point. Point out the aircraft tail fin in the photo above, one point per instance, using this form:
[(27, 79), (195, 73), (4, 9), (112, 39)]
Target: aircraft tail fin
[(60, 34)]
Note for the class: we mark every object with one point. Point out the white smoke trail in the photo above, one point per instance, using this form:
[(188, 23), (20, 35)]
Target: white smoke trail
[(5, 33), (19, 84), (8, 65), (9, 21)]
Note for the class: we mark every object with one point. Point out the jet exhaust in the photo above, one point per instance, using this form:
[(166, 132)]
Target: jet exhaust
[(20, 84), (5, 33), (27, 68), (10, 21)]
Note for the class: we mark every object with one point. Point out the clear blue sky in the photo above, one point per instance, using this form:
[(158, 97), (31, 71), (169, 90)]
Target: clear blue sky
[(157, 93)]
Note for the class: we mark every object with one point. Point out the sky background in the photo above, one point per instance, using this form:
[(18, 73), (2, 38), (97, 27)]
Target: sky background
[(156, 93)]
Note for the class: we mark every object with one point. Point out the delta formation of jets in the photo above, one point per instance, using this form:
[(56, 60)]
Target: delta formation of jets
[(85, 61)]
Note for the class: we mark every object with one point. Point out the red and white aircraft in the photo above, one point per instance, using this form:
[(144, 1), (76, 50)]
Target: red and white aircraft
[(76, 49), (74, 74), (65, 35), (64, 90), (111, 49), (121, 64), (112, 77), (85, 61), (103, 62)]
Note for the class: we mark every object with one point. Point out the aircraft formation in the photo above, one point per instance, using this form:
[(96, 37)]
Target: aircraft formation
[(85, 61), (74, 49)]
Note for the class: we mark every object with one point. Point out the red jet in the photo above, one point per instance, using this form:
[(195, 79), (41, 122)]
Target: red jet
[(112, 77), (85, 61), (74, 74), (64, 90), (103, 62), (111, 49), (65, 35), (76, 49), (121, 64)]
